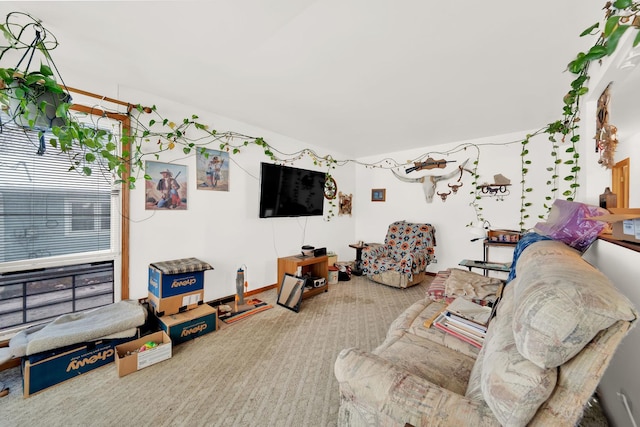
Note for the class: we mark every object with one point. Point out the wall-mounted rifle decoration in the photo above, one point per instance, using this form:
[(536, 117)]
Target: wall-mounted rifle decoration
[(430, 163)]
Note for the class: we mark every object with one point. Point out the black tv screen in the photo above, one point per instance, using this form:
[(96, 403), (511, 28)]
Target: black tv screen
[(287, 191)]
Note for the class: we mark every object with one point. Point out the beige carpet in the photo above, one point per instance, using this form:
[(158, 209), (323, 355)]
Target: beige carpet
[(271, 369)]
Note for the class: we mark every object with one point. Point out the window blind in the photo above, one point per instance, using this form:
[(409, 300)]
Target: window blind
[(45, 209)]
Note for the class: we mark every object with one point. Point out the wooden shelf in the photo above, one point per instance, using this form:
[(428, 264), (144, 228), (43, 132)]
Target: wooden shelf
[(316, 266)]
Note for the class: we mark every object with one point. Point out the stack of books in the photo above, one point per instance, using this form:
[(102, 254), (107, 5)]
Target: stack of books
[(465, 320)]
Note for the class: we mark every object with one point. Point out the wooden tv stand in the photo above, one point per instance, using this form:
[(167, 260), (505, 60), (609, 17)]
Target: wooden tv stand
[(317, 266)]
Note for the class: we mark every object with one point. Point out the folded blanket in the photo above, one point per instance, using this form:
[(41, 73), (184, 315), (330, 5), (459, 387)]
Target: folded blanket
[(115, 320), (468, 284)]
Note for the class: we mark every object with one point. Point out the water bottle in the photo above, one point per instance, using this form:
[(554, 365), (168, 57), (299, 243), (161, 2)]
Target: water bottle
[(240, 286)]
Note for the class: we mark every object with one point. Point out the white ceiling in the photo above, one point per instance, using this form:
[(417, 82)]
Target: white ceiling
[(361, 77)]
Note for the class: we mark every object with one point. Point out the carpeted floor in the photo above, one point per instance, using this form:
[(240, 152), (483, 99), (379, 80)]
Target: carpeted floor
[(274, 368)]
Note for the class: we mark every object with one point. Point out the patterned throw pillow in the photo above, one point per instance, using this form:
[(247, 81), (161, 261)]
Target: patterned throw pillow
[(436, 288), (470, 285), (562, 302)]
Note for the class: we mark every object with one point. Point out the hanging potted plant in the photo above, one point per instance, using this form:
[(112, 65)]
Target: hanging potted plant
[(34, 100)]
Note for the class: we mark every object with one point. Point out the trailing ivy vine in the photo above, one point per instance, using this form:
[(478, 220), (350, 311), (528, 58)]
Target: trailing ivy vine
[(151, 134)]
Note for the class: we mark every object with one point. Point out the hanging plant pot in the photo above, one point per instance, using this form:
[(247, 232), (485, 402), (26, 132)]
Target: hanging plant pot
[(34, 106)]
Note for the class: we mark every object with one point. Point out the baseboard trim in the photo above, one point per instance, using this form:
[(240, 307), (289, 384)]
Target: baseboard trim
[(232, 298)]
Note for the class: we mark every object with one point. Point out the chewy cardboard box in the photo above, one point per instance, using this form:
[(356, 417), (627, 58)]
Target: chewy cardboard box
[(177, 304), (176, 277), (43, 370), (625, 223), (128, 363), (190, 324)]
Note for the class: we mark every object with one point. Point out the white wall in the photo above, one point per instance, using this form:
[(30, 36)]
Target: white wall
[(223, 228), (498, 155), (622, 267)]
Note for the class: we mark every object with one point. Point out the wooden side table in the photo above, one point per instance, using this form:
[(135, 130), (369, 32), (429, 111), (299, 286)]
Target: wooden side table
[(357, 267)]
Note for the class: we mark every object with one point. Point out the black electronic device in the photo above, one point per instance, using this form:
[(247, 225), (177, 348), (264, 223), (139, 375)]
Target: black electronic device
[(320, 252), (289, 192)]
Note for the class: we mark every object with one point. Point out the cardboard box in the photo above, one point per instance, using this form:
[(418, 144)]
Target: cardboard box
[(177, 304), (43, 370), (625, 223), (332, 259), (163, 285), (128, 360), (190, 324), (175, 277)]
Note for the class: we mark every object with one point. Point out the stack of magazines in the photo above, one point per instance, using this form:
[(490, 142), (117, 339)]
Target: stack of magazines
[(465, 320)]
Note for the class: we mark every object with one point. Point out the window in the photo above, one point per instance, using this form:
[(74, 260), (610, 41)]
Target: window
[(57, 221), (28, 297)]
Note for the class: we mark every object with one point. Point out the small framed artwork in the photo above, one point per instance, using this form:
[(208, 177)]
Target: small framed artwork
[(378, 194)]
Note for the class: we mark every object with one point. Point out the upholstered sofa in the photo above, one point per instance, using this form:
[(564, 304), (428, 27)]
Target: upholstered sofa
[(555, 330), (402, 260)]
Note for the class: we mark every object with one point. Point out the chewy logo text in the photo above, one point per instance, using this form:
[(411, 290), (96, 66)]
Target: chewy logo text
[(104, 355), (194, 330), (184, 282)]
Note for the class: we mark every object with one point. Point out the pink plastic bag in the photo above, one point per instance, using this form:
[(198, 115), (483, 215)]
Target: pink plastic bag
[(566, 222)]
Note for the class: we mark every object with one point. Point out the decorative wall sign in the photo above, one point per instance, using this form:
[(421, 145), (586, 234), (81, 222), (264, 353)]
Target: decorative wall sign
[(212, 169), (344, 207), (167, 188), (606, 133)]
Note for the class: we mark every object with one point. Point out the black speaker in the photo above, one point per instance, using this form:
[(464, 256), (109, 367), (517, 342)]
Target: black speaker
[(320, 252)]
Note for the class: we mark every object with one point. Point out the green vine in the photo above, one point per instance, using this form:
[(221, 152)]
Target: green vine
[(620, 16), (475, 193), (151, 134)]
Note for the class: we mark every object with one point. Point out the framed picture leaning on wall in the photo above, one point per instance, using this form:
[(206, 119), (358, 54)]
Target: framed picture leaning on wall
[(290, 294)]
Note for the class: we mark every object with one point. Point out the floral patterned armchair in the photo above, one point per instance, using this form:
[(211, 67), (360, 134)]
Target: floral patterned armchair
[(403, 258)]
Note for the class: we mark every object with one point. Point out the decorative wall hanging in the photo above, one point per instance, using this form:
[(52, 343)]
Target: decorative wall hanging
[(378, 194), (498, 189), (344, 203), (330, 188), (212, 170), (430, 163), (429, 182), (606, 133), (167, 188)]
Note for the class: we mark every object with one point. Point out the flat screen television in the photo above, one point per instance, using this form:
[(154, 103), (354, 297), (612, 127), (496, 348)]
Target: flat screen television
[(288, 192)]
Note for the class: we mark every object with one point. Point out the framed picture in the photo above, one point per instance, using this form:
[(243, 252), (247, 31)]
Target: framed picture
[(167, 188), (212, 170), (290, 294), (378, 194)]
